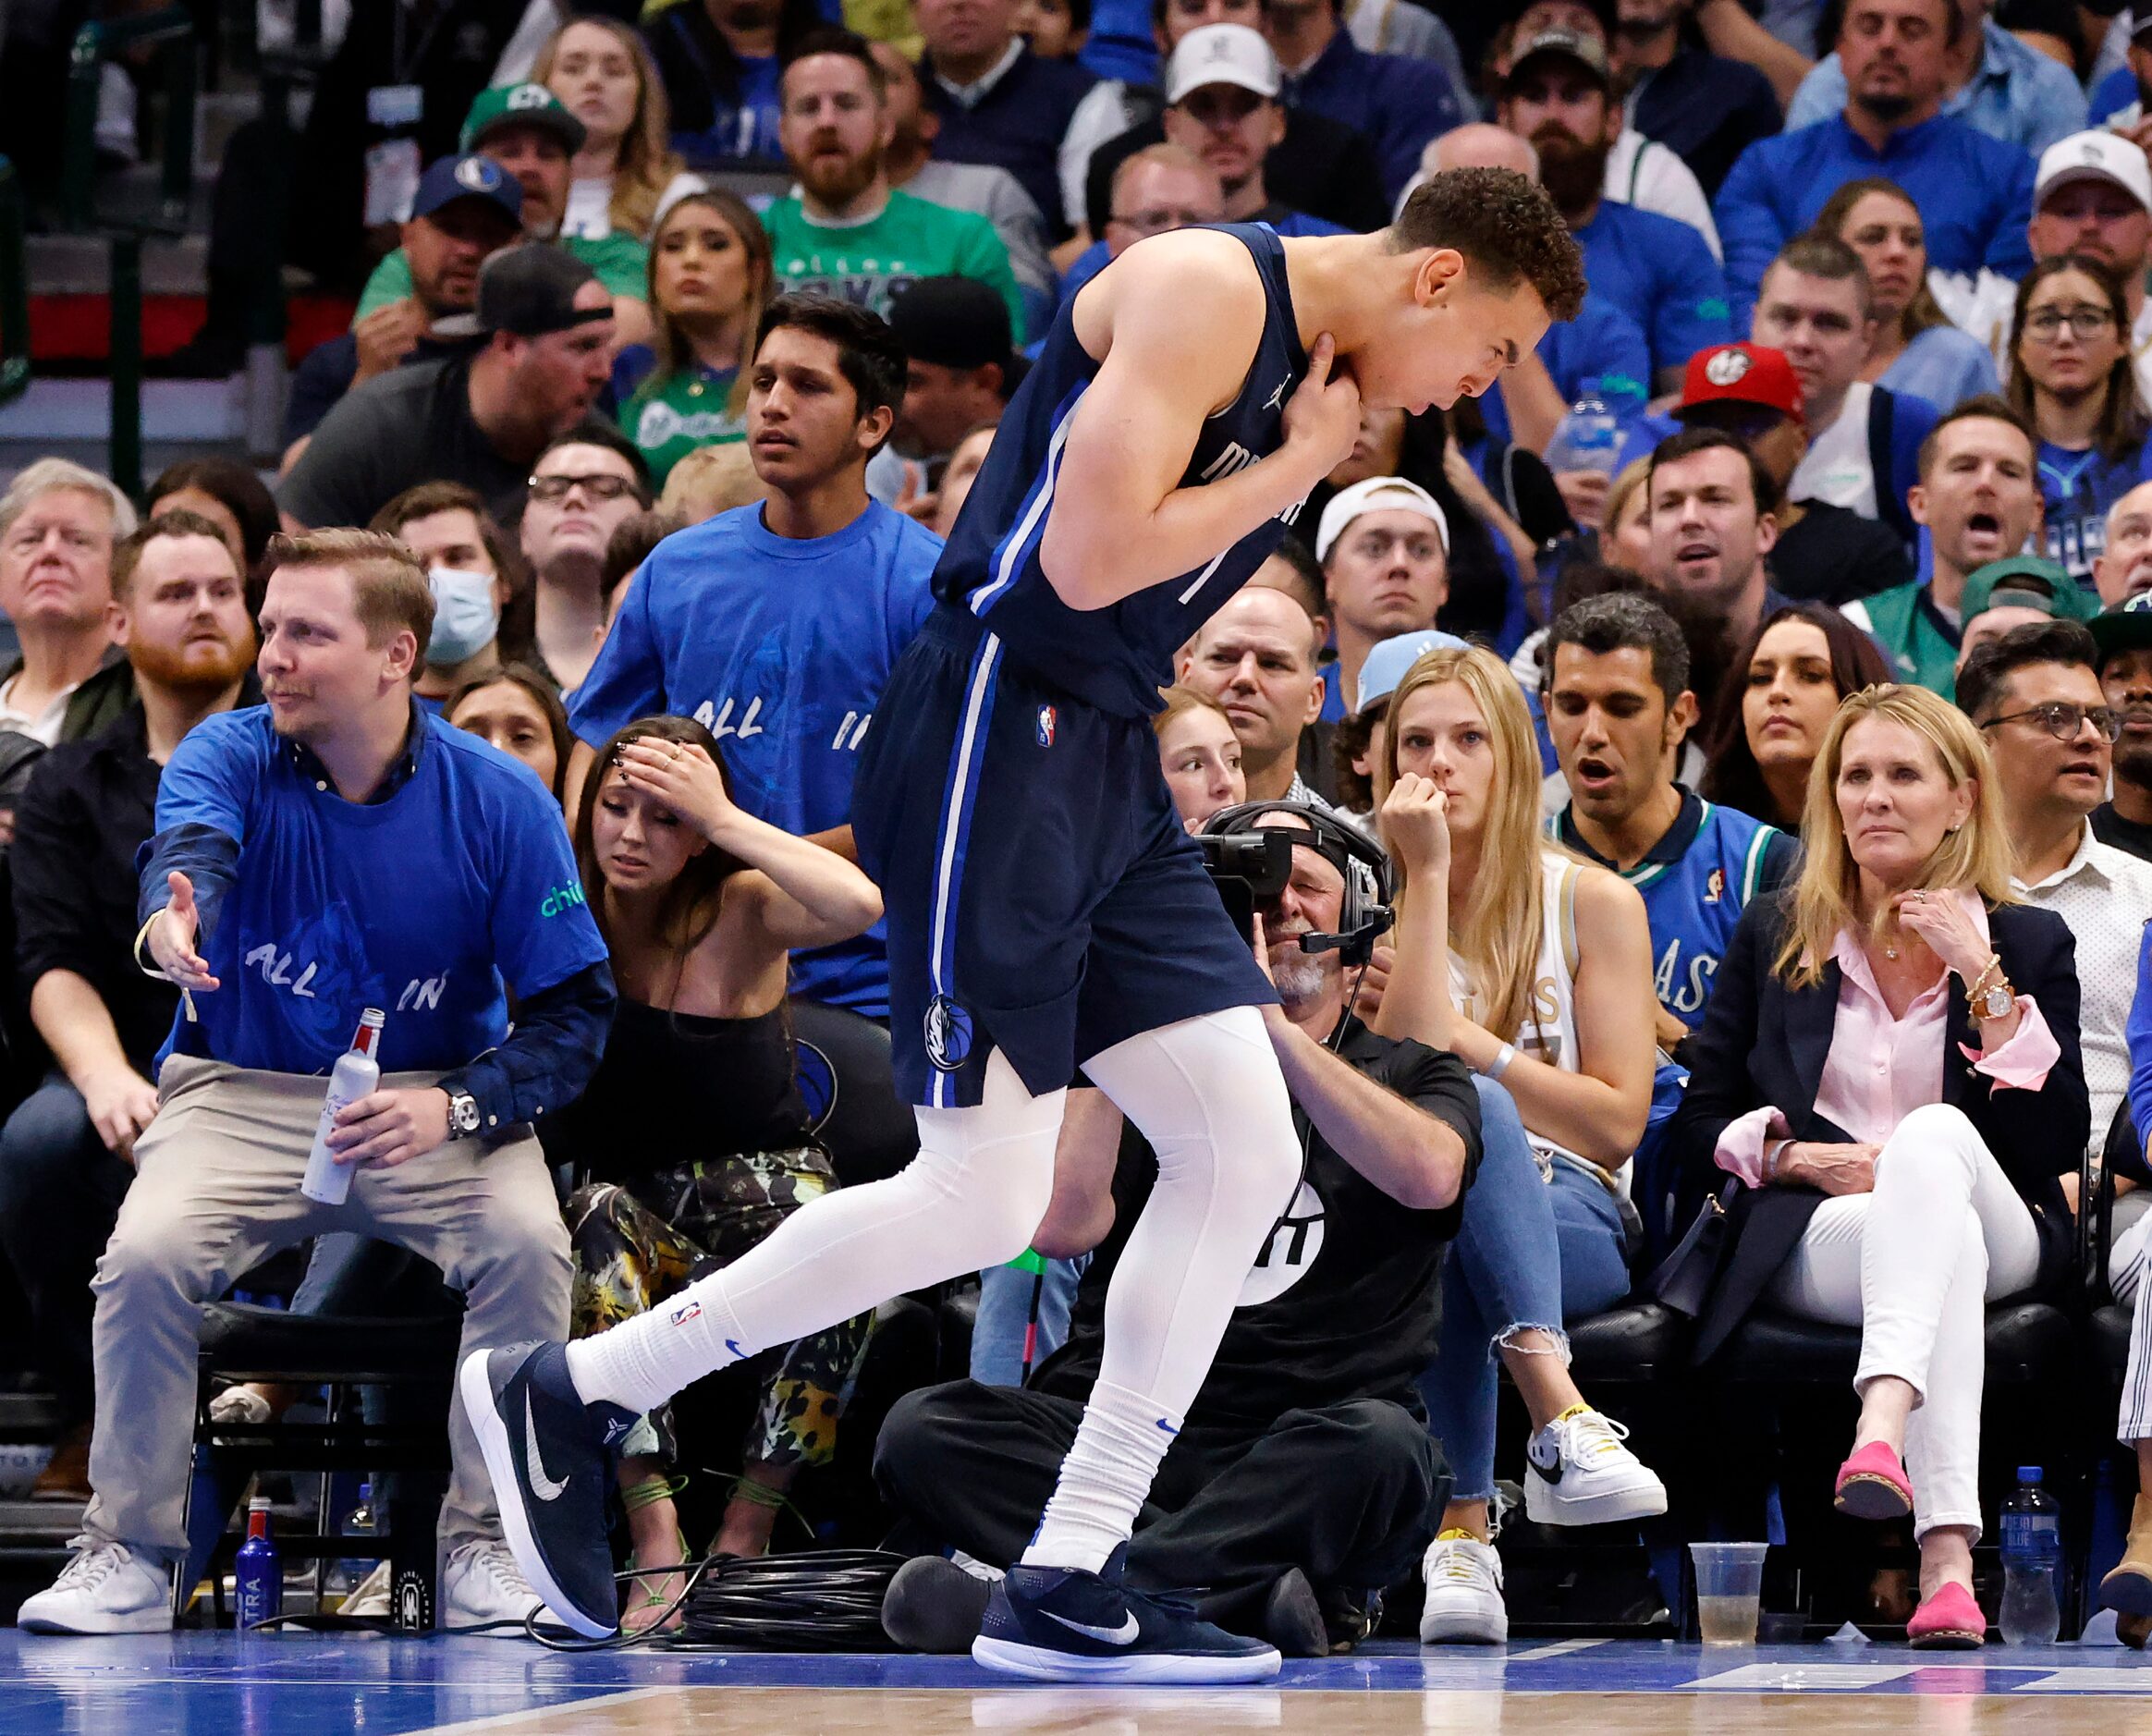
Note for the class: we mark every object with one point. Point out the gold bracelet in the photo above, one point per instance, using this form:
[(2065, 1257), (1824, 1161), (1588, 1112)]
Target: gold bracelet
[(1974, 987)]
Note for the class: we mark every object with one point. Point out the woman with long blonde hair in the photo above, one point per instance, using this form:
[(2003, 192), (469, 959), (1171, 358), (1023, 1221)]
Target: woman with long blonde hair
[(1890, 1068), (602, 71), (1534, 970), (711, 276)]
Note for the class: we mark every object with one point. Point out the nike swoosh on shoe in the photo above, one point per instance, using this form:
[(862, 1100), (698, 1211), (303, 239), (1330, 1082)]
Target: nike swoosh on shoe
[(542, 1485), (1124, 1634)]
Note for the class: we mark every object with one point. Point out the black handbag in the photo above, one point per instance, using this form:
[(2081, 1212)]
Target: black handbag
[(1683, 1278)]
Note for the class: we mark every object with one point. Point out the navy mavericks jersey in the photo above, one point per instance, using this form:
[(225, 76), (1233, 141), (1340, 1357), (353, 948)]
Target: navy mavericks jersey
[(1695, 882), (1114, 658)]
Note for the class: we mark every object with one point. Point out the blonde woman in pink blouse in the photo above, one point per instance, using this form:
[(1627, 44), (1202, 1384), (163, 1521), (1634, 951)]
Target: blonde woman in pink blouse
[(1889, 1066)]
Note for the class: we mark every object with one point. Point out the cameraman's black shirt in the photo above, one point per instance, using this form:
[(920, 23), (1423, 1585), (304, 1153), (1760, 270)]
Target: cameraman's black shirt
[(1342, 1303)]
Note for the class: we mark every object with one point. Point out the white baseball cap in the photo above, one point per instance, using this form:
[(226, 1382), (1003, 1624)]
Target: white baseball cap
[(1222, 54), (2098, 156), (1377, 493)]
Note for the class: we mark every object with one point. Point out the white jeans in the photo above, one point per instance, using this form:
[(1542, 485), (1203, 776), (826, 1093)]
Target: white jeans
[(2126, 1262), (1913, 1264)]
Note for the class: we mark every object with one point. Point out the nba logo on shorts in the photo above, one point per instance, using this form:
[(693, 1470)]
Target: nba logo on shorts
[(948, 1033), (1048, 716), (685, 1312)]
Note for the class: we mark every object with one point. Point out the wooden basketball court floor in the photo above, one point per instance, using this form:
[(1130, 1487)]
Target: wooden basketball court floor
[(217, 1684)]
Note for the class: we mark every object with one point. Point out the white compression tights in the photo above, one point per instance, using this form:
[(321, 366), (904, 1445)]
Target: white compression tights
[(1206, 1092)]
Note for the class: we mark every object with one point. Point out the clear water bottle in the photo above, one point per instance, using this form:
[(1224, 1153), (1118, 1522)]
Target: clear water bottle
[(2031, 1563), (259, 1574), (355, 1073), (1588, 437), (350, 1571)]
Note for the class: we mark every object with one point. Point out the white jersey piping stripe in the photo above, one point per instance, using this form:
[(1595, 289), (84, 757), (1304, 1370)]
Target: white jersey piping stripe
[(1015, 548), (953, 813)]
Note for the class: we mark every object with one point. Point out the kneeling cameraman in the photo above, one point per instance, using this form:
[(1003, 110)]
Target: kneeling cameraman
[(1304, 1479)]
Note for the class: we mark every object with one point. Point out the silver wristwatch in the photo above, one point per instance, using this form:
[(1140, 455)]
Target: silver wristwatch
[(1994, 1002), (462, 1115)]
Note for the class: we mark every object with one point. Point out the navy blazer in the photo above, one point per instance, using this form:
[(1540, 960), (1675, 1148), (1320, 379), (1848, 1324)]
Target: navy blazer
[(1763, 1042)]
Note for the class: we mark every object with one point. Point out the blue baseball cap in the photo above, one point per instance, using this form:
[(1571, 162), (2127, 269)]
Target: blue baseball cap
[(472, 176), (1387, 662)]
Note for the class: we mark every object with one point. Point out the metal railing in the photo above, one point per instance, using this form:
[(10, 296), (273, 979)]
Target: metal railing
[(280, 71), (13, 286), (171, 31)]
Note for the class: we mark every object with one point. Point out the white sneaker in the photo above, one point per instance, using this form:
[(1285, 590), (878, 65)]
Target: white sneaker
[(1579, 1473), (1464, 1594), (105, 1589), (481, 1583), (370, 1596), (239, 1406)]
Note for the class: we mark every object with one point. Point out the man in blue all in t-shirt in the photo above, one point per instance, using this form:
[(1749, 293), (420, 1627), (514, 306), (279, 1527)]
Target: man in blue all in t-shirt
[(1046, 908), (333, 851), (1618, 707), (776, 626)]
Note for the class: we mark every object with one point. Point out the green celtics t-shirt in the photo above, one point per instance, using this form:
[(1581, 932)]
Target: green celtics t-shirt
[(668, 418), (620, 261), (866, 264)]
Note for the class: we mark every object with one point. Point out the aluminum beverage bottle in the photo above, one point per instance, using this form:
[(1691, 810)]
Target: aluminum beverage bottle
[(259, 1572), (356, 1074)]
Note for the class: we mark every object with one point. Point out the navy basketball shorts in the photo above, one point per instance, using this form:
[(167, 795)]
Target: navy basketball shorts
[(1043, 897)]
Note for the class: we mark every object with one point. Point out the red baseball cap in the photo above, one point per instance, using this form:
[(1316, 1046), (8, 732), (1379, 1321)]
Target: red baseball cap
[(1741, 373)]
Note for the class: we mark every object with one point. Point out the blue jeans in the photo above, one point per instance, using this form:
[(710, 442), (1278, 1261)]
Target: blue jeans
[(1528, 1254), (349, 1274), (1004, 1301), (60, 1192)]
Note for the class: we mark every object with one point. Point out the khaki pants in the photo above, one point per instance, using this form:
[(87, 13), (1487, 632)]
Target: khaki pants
[(216, 1191)]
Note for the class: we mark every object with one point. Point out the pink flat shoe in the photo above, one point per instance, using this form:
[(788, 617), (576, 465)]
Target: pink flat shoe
[(1872, 1485), (1950, 1622)]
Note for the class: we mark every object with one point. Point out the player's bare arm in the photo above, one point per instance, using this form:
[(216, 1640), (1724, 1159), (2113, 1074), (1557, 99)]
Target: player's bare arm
[(1177, 321)]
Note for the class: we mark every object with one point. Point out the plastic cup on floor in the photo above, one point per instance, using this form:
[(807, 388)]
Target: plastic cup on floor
[(1730, 1591)]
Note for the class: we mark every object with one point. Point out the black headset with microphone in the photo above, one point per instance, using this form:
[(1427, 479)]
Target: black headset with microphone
[(1370, 882)]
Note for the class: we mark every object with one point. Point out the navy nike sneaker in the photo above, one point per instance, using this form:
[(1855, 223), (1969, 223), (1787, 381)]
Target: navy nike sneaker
[(550, 1456), (1064, 1624)]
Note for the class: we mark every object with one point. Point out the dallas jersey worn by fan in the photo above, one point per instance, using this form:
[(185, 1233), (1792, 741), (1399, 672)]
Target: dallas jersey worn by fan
[(1092, 920)]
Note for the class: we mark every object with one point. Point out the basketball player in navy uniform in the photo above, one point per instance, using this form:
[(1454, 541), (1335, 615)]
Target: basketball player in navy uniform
[(1046, 912)]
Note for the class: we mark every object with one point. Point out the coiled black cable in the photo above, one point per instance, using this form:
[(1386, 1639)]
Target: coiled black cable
[(818, 1600)]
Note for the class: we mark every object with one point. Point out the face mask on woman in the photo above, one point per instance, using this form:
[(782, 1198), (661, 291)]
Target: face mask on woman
[(466, 617)]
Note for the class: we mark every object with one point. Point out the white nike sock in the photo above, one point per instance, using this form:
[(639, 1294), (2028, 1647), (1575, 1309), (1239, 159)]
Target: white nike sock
[(641, 1363), (971, 1198), (1103, 1480)]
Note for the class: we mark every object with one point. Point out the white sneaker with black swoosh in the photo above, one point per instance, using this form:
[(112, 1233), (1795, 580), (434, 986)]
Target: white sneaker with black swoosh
[(1064, 1624), (1578, 1472), (1464, 1603)]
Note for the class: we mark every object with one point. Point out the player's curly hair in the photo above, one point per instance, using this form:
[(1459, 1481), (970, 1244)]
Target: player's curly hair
[(1504, 226)]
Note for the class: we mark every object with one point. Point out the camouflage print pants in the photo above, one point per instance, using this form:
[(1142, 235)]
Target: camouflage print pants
[(634, 1250)]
